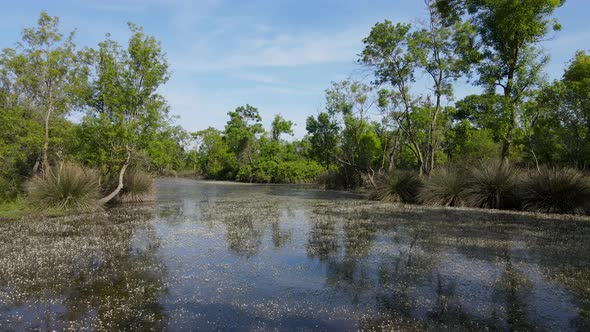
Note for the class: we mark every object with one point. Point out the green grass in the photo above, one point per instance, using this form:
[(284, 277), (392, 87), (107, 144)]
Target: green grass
[(19, 208), (13, 210)]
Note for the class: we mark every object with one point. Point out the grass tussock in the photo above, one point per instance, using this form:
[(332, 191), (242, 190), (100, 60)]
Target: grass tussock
[(444, 188), (493, 185), (551, 190), (138, 186), (66, 187), (401, 186)]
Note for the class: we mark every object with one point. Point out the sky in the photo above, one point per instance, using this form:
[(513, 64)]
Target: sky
[(278, 56)]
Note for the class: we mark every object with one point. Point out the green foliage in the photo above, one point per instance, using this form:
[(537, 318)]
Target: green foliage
[(444, 187), (45, 72), (215, 157), (505, 54), (67, 187), (466, 143), (299, 171), (21, 141), (280, 126), (124, 110), (398, 54), (493, 185), (241, 130), (323, 137), (401, 186), (167, 150), (553, 190)]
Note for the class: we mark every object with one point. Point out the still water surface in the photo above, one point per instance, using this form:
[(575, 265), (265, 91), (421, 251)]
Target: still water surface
[(217, 256)]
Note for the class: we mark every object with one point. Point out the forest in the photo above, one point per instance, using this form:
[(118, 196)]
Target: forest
[(83, 127)]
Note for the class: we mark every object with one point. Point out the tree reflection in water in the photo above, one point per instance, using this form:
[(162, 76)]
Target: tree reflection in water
[(92, 272), (228, 256)]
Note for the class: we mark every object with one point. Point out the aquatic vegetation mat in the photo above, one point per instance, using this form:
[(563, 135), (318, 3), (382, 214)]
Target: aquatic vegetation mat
[(224, 256)]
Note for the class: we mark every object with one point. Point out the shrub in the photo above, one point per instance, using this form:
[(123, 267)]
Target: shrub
[(331, 179), (556, 191), (444, 188), (67, 187), (401, 187), (299, 171), (493, 185), (262, 171), (137, 185)]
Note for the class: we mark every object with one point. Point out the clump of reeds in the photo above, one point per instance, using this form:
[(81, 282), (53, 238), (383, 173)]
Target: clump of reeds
[(445, 187), (66, 187), (138, 186), (493, 185), (401, 186), (553, 190)]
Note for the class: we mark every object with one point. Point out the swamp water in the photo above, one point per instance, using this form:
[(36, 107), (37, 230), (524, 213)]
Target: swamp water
[(218, 256)]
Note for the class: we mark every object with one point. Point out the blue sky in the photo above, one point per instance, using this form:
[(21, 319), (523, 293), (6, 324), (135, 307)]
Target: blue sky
[(278, 55)]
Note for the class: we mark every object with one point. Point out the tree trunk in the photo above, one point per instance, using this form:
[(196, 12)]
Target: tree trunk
[(120, 185), (510, 98), (45, 162)]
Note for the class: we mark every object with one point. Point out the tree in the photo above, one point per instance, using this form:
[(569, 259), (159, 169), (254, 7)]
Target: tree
[(323, 133), (45, 71), (21, 139), (216, 159), (280, 126), (398, 53), (508, 32), (561, 114), (241, 130), (124, 109), (167, 150)]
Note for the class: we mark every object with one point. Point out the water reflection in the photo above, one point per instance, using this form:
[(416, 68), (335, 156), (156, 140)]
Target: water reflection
[(94, 272), (253, 257)]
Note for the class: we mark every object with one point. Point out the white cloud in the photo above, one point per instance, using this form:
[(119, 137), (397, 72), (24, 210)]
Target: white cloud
[(284, 50), (255, 77)]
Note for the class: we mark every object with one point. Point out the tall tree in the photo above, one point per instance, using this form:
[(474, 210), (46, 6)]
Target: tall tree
[(398, 53), (509, 59), (323, 134), (125, 110), (241, 130), (45, 69), (280, 126), (352, 101)]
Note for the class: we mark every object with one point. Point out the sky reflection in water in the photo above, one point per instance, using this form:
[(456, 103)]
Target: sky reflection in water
[(231, 256)]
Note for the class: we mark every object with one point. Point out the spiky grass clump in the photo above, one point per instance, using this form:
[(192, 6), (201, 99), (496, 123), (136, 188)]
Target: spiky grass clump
[(493, 185), (66, 187), (137, 185), (444, 188), (402, 187), (565, 191)]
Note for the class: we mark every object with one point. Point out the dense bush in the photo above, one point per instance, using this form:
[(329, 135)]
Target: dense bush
[(66, 187), (300, 171), (331, 179), (401, 186), (493, 185), (273, 171), (556, 191), (444, 188), (261, 172)]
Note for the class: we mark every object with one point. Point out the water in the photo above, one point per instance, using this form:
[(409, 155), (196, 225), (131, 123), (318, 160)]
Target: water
[(216, 256)]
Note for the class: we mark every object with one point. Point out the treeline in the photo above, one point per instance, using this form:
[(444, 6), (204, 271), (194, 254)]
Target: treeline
[(45, 81), (406, 119)]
